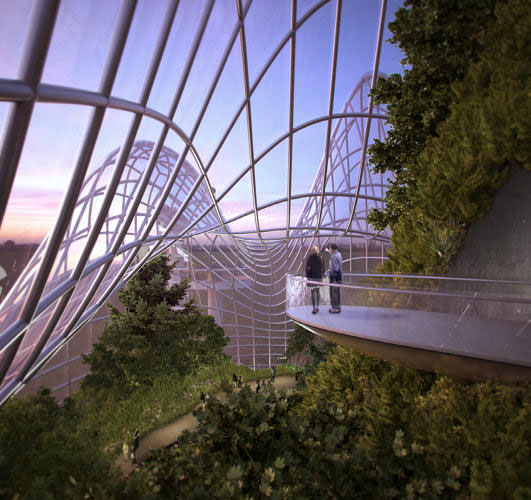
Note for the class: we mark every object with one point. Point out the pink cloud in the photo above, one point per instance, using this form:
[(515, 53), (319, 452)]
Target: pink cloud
[(30, 214)]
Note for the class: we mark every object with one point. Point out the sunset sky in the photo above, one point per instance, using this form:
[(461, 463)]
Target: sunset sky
[(80, 42)]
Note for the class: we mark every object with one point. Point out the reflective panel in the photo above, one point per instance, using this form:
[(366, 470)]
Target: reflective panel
[(80, 42), (303, 6), (172, 66), (232, 158), (360, 41), (239, 199), (313, 64), (272, 217), (138, 49), (269, 187), (235, 167), (308, 151), (227, 97), (14, 24), (264, 30), (44, 170), (270, 104), (209, 57)]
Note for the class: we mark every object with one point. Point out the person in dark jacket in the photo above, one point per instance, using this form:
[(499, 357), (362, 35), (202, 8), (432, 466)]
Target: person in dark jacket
[(314, 272)]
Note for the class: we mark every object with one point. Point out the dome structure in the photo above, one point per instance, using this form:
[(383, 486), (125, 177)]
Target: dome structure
[(234, 136)]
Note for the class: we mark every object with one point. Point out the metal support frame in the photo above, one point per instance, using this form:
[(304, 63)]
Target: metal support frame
[(260, 257)]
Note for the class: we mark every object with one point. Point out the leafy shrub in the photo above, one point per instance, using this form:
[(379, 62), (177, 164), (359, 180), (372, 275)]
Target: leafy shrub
[(46, 453), (426, 433), (386, 432), (306, 349)]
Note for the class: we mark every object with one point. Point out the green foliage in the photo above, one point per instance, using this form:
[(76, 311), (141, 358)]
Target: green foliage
[(255, 446), (460, 118), (44, 452), (343, 379), (481, 425), (488, 129), (426, 434), (150, 286), (239, 449), (165, 400), (437, 53), (52, 451), (149, 369), (306, 349), (366, 428), (363, 428), (149, 338)]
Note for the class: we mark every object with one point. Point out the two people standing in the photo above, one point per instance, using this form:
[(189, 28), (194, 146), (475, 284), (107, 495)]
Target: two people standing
[(315, 272)]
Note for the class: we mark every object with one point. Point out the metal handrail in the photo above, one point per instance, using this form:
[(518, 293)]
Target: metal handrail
[(520, 300), (431, 277)]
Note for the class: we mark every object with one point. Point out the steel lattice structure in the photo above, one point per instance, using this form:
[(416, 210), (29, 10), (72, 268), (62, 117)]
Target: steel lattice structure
[(148, 197)]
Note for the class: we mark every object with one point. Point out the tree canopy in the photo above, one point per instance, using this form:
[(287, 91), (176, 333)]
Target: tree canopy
[(150, 337), (439, 41), (454, 142), (46, 453), (363, 428)]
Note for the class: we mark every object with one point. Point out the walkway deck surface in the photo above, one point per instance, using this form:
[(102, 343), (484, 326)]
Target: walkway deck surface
[(497, 341)]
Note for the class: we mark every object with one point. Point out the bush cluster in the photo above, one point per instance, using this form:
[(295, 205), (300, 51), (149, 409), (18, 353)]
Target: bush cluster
[(364, 428)]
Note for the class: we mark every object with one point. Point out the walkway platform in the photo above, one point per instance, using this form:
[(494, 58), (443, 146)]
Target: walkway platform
[(473, 348)]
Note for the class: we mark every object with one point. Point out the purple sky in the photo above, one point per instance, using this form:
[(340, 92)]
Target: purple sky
[(76, 57)]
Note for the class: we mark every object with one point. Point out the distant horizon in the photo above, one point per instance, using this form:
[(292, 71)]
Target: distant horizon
[(17, 243)]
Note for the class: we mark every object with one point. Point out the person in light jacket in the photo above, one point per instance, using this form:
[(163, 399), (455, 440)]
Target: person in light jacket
[(314, 272), (335, 273)]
